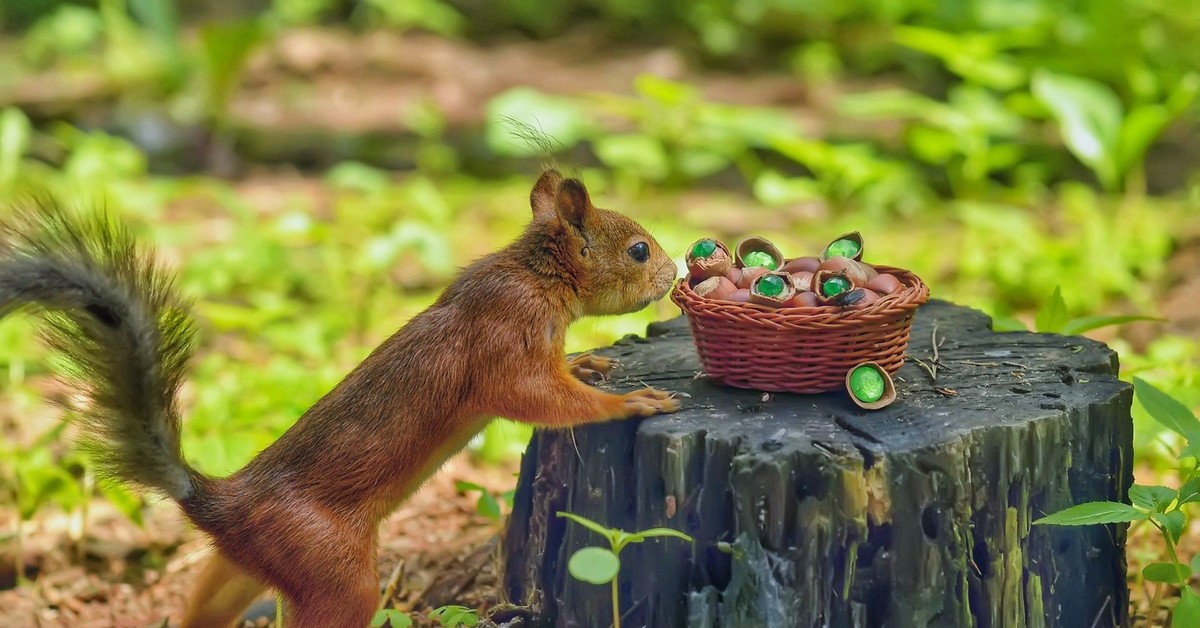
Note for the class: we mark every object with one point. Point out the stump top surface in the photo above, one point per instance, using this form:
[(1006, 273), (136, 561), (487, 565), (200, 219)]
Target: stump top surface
[(983, 379)]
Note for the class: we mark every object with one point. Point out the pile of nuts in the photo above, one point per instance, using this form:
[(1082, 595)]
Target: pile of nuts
[(756, 272)]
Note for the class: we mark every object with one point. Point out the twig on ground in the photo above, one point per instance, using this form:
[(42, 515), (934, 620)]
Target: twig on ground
[(393, 582)]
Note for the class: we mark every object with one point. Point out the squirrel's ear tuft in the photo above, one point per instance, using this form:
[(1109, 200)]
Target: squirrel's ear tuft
[(543, 198), (573, 202)]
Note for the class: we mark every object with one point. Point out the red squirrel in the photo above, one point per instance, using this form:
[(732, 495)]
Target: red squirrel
[(302, 517)]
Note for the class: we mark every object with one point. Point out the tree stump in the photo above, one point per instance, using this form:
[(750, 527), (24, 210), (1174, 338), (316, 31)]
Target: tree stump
[(915, 515)]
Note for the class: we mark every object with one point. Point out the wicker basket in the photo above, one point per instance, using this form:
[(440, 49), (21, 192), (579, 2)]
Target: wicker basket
[(804, 349)]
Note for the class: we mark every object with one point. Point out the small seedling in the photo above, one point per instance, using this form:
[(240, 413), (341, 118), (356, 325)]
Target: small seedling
[(453, 616), (600, 565), (1160, 506), (391, 617), (488, 504), (1052, 318)]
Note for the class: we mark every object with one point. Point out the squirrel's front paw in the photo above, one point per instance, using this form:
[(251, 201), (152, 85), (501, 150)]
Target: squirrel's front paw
[(648, 402), (591, 369)]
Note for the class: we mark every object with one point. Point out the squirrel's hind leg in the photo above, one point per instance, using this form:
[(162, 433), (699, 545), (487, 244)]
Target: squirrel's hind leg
[(323, 564), (221, 595), (329, 603)]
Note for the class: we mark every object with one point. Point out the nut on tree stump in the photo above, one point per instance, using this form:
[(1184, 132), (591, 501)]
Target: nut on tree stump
[(918, 514)]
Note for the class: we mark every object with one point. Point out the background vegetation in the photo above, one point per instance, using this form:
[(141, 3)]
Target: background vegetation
[(313, 194)]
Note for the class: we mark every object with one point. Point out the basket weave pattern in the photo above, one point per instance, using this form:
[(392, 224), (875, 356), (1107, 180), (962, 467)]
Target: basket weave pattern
[(801, 350)]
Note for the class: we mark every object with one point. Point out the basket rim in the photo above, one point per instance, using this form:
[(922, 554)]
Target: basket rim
[(913, 296)]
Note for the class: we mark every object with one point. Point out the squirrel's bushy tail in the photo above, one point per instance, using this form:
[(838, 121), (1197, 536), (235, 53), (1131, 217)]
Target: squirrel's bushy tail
[(124, 333)]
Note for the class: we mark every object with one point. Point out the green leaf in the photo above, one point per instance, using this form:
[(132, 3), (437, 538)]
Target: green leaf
[(607, 533), (1052, 316), (1184, 93), (1190, 491), (358, 177), (619, 539), (161, 19), (886, 104), (439, 17), (933, 146), (487, 506), (42, 484), (15, 130), (1172, 522), (634, 151), (1092, 513), (1156, 498), (1166, 572), (700, 162), (1195, 564), (1187, 611), (775, 189), (597, 565), (1141, 127), (453, 615), (974, 56), (1007, 323), (461, 616), (392, 617), (638, 537), (1082, 324), (1089, 117), (124, 500), (665, 91), (224, 49), (1166, 410)]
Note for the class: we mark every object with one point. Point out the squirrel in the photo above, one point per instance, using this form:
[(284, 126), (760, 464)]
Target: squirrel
[(302, 516)]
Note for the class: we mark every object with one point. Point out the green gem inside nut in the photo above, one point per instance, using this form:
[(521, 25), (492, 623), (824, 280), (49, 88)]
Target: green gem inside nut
[(842, 248), (759, 258), (866, 384), (769, 286), (835, 286), (704, 248)]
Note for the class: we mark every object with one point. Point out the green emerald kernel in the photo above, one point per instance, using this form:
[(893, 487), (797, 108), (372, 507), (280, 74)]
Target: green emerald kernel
[(769, 285), (704, 248), (866, 384), (843, 248), (759, 258), (835, 286)]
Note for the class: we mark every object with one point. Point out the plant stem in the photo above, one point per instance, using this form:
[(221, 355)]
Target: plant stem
[(278, 611), (616, 604), (89, 486), (1182, 579), (1152, 612), (19, 551)]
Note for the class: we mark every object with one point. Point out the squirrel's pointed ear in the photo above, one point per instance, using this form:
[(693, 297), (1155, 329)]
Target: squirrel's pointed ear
[(543, 198), (573, 202)]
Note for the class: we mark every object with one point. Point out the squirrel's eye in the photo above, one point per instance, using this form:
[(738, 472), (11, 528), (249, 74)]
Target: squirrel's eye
[(640, 252)]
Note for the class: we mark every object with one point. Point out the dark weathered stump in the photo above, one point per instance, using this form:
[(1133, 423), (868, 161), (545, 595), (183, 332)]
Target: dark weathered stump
[(915, 515)]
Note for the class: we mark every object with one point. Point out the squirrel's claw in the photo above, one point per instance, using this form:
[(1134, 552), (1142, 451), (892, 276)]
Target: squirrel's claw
[(649, 402), (591, 369)]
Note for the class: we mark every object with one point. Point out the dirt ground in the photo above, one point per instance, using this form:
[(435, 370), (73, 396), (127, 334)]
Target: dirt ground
[(435, 550)]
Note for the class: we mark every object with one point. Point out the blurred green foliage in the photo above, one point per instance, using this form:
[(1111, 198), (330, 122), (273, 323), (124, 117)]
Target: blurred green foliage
[(1003, 149)]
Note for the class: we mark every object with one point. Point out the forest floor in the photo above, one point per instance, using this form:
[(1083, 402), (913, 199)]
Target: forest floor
[(435, 550)]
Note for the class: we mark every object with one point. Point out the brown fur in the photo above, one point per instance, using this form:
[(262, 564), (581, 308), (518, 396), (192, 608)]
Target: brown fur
[(302, 516)]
